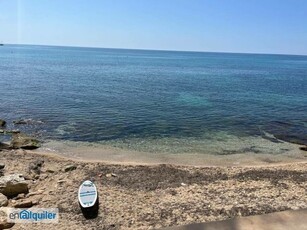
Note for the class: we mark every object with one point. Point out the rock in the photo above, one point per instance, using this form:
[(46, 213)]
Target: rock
[(2, 123), (25, 142), (183, 184), (23, 204), (304, 148), (69, 168), (14, 131), (36, 166), (108, 175), (3, 200), (26, 122), (20, 196), (2, 165), (50, 170), (13, 184), (4, 146), (20, 122), (3, 219)]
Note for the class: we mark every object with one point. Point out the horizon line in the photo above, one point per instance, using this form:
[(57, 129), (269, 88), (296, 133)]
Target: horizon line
[(161, 50)]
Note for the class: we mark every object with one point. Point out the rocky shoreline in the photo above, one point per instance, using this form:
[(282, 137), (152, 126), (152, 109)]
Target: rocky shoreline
[(141, 196), (146, 196)]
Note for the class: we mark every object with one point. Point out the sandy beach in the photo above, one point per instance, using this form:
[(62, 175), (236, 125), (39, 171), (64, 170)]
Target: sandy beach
[(140, 196)]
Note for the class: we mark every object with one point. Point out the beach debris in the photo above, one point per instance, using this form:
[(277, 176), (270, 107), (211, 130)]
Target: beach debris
[(304, 148), (3, 200), (69, 168), (88, 199), (3, 219), (12, 185), (2, 123), (36, 166), (23, 141)]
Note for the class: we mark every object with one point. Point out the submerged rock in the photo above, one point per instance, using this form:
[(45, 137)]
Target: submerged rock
[(13, 184), (26, 122), (23, 141), (2, 123)]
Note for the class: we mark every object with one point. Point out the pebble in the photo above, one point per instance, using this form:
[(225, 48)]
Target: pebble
[(69, 168)]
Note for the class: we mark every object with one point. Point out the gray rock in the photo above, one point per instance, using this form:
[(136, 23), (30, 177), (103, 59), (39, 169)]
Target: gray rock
[(12, 185), (3, 219), (2, 123), (23, 141), (70, 168), (3, 200)]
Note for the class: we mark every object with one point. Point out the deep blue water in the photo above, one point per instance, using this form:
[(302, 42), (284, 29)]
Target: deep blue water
[(88, 94)]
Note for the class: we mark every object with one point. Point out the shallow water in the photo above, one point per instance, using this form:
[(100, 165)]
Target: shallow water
[(156, 101)]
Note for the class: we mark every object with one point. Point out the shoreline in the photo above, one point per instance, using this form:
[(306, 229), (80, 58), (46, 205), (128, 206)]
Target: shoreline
[(94, 152), (147, 196)]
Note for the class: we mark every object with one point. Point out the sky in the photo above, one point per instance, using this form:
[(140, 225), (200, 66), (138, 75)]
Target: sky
[(242, 26)]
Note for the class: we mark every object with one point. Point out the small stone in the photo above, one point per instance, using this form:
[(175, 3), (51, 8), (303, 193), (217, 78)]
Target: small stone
[(61, 181), (69, 168), (3, 200), (20, 196), (3, 219), (113, 175), (108, 175), (183, 184), (23, 204), (2, 165), (50, 170)]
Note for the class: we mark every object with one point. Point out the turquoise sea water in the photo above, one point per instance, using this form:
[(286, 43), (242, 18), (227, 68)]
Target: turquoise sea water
[(135, 98)]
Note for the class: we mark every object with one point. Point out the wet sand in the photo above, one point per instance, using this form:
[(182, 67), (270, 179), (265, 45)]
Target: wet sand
[(140, 196), (284, 153)]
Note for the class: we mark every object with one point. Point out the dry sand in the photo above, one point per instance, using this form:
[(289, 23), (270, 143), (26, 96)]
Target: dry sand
[(161, 195)]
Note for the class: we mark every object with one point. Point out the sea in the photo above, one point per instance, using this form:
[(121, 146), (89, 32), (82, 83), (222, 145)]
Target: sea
[(155, 102)]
